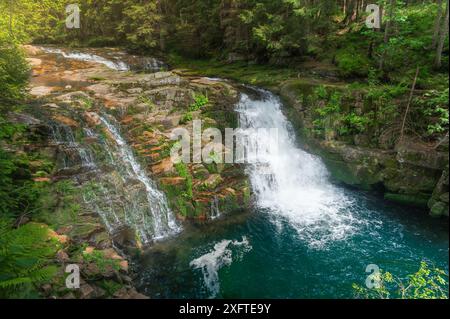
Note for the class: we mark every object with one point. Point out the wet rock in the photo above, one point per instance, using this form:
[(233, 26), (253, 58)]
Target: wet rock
[(212, 182), (424, 158), (200, 172), (101, 240), (46, 289), (32, 50), (439, 209), (171, 122), (86, 229), (99, 89), (33, 62), (439, 202), (93, 271), (51, 105), (41, 91), (65, 120), (123, 264), (62, 257), (125, 293), (173, 181), (166, 166), (86, 291), (93, 119), (135, 91), (22, 118)]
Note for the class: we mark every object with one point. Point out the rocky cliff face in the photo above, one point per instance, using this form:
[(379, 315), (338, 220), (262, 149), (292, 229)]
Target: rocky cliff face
[(107, 134), (407, 173)]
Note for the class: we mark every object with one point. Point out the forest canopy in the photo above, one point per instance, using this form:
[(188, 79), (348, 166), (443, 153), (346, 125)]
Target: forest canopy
[(280, 32)]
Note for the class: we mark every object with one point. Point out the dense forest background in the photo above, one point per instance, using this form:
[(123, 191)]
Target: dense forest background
[(279, 32)]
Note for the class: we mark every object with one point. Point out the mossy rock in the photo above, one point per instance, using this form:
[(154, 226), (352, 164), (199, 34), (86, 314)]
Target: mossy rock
[(439, 209), (415, 200), (212, 182)]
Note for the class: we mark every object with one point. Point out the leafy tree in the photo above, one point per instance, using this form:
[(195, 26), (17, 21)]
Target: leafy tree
[(426, 283)]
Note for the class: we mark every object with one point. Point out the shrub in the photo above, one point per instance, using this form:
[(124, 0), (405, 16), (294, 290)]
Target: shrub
[(25, 259), (352, 64), (426, 283), (14, 72)]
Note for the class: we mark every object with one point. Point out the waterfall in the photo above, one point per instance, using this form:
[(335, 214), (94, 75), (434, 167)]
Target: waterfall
[(116, 188), (74, 153), (156, 220), (294, 186), (215, 211)]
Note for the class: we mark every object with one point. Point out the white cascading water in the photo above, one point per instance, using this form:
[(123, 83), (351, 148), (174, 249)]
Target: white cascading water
[(223, 254), (114, 65), (294, 184), (63, 135), (161, 220)]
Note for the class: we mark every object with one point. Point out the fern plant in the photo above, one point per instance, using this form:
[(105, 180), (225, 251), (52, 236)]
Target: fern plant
[(25, 259)]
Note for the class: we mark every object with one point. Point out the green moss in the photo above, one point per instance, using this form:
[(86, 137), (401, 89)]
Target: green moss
[(58, 204), (109, 286), (183, 171)]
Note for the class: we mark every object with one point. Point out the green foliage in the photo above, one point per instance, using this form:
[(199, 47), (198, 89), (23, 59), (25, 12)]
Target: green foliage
[(354, 124), (140, 23), (101, 261), (25, 259), (199, 102), (14, 72), (434, 106), (109, 286), (187, 117), (18, 193), (351, 63), (58, 204), (426, 283), (183, 171), (333, 105)]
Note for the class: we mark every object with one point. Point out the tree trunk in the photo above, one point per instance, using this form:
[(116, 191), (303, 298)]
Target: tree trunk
[(387, 30), (443, 35), (10, 17), (437, 24), (411, 95)]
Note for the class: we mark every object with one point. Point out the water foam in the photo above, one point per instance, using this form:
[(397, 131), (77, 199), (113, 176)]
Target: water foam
[(114, 65), (220, 256)]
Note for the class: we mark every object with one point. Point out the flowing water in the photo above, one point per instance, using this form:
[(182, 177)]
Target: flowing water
[(160, 219), (113, 59), (307, 238), (115, 185)]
